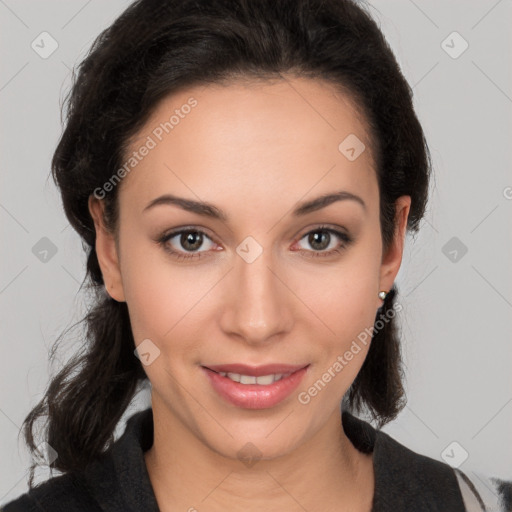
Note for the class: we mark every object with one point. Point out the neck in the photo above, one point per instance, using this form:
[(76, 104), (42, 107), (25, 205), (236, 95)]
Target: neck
[(325, 473)]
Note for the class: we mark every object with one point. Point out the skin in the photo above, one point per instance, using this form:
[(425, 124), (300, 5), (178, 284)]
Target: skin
[(255, 150)]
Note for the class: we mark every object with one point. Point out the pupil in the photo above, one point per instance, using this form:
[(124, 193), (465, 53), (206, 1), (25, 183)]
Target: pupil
[(318, 235), (189, 240)]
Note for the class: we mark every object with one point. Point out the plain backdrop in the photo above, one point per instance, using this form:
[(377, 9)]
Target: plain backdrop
[(456, 278)]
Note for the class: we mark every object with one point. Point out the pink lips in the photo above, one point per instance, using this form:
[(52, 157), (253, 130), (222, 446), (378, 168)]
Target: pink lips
[(255, 396)]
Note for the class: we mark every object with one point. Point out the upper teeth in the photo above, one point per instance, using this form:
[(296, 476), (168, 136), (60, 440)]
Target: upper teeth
[(263, 380)]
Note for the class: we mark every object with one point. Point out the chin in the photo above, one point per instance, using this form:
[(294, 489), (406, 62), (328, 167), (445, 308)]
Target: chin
[(249, 449)]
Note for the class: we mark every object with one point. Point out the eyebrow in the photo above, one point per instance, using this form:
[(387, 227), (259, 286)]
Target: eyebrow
[(209, 210)]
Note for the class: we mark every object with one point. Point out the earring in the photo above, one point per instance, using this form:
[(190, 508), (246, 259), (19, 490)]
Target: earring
[(382, 295)]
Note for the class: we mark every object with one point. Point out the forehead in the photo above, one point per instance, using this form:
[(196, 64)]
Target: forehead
[(256, 138)]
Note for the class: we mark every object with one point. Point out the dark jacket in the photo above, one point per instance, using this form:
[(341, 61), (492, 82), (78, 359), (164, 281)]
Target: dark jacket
[(118, 481)]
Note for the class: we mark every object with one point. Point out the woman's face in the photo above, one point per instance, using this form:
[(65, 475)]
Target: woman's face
[(259, 279)]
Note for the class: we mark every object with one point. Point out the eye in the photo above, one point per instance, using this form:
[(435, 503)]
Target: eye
[(321, 239), (190, 240)]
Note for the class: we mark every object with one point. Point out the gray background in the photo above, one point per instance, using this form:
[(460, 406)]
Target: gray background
[(457, 331)]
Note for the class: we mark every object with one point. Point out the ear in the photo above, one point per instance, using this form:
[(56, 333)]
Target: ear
[(392, 259), (106, 251)]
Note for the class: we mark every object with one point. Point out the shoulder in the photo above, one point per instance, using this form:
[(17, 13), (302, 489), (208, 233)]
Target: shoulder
[(420, 479), (116, 480), (404, 479), (64, 493), (412, 481), (482, 492)]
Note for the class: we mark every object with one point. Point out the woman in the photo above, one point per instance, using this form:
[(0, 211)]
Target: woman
[(243, 174)]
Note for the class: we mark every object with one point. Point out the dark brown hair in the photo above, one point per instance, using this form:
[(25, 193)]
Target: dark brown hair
[(153, 49)]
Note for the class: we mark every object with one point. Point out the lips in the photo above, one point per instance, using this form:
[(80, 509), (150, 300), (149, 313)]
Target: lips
[(255, 371), (255, 387)]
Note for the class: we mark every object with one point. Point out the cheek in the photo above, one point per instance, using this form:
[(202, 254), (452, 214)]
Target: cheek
[(348, 296), (158, 293), (339, 356), (172, 305), (345, 299)]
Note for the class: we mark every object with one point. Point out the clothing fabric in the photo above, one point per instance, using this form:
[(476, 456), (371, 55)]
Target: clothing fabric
[(118, 481)]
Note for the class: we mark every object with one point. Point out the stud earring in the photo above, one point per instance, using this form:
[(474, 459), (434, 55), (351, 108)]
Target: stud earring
[(382, 295)]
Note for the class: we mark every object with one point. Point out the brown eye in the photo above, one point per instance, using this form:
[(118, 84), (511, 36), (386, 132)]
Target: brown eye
[(321, 239), (191, 240), (178, 243)]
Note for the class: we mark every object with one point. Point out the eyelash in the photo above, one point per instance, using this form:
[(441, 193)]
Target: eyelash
[(163, 241)]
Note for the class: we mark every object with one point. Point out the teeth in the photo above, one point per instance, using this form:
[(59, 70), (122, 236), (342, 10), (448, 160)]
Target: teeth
[(234, 376), (247, 379), (263, 380)]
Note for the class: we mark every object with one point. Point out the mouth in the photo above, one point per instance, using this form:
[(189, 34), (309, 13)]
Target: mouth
[(263, 375), (251, 387)]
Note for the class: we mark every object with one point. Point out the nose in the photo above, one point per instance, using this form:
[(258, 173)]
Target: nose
[(258, 305)]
